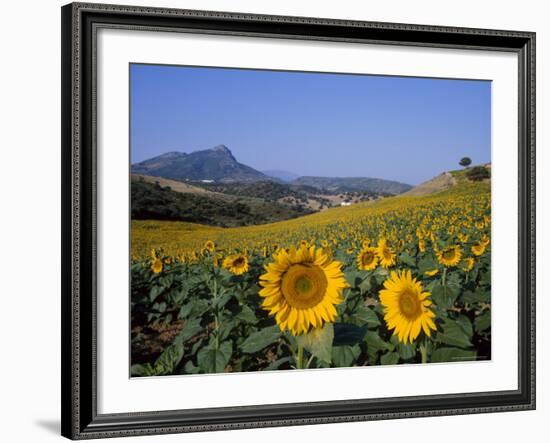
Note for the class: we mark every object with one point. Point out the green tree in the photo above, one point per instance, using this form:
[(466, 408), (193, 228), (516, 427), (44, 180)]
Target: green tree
[(465, 161)]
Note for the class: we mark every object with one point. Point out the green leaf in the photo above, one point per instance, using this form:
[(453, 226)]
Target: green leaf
[(261, 339), (364, 316), (190, 329), (319, 342), (212, 359), (139, 370), (166, 280), (344, 356), (375, 344), (190, 368), (454, 334), (479, 296), (441, 355), (380, 275), (169, 359), (155, 292), (406, 351), (194, 308), (225, 328), (466, 325), (365, 285), (390, 358), (426, 264), (444, 296), (247, 315), (483, 322), (348, 334), (407, 260), (221, 301), (276, 364)]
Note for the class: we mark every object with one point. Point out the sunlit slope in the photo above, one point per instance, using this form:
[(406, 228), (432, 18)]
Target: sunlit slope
[(332, 227)]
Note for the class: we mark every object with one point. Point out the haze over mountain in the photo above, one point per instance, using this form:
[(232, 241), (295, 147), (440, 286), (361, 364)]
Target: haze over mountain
[(354, 184), (285, 176), (220, 166), (216, 164)]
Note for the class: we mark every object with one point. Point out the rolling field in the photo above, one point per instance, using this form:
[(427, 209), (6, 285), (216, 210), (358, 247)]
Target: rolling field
[(319, 290)]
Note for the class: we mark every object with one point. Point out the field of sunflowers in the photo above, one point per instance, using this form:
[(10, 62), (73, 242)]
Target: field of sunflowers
[(402, 280)]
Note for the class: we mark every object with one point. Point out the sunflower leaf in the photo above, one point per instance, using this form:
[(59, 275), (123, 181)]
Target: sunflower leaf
[(444, 296), (441, 355), (277, 363), (375, 344), (142, 370), (212, 359), (344, 356), (407, 260), (483, 322), (426, 264), (348, 334), (258, 340), (319, 342), (169, 359), (247, 315), (155, 292), (454, 334), (389, 358), (364, 316)]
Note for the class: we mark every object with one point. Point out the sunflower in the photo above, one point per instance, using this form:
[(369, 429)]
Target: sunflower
[(478, 248), (236, 264), (485, 239), (385, 254), (367, 259), (156, 265), (210, 246), (422, 245), (431, 273), (406, 306), (468, 264), (301, 288), (449, 256)]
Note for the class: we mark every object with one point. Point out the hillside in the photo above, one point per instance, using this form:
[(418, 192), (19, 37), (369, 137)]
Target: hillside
[(436, 184), (445, 181), (354, 184), (152, 201), (178, 236), (215, 164)]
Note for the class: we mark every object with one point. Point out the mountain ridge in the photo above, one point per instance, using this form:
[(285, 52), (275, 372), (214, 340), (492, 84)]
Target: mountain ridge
[(219, 165), (214, 164)]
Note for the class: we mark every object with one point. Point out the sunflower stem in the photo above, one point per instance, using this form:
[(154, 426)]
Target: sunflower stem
[(300, 357), (444, 276), (424, 351)]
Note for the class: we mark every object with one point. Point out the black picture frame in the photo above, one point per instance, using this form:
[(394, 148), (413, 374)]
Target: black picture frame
[(79, 173)]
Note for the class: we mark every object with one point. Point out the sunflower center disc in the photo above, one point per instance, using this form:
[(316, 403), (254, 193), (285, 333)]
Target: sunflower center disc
[(368, 257), (449, 254), (238, 263), (409, 304), (304, 286)]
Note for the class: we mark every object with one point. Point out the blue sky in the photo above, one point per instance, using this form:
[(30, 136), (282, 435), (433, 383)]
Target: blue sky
[(397, 128)]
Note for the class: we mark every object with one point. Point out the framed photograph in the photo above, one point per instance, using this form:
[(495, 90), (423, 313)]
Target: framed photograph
[(274, 221)]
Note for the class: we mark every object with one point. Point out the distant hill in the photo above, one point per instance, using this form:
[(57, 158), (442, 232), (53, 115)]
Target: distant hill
[(216, 164), (354, 184), (285, 176), (153, 201)]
